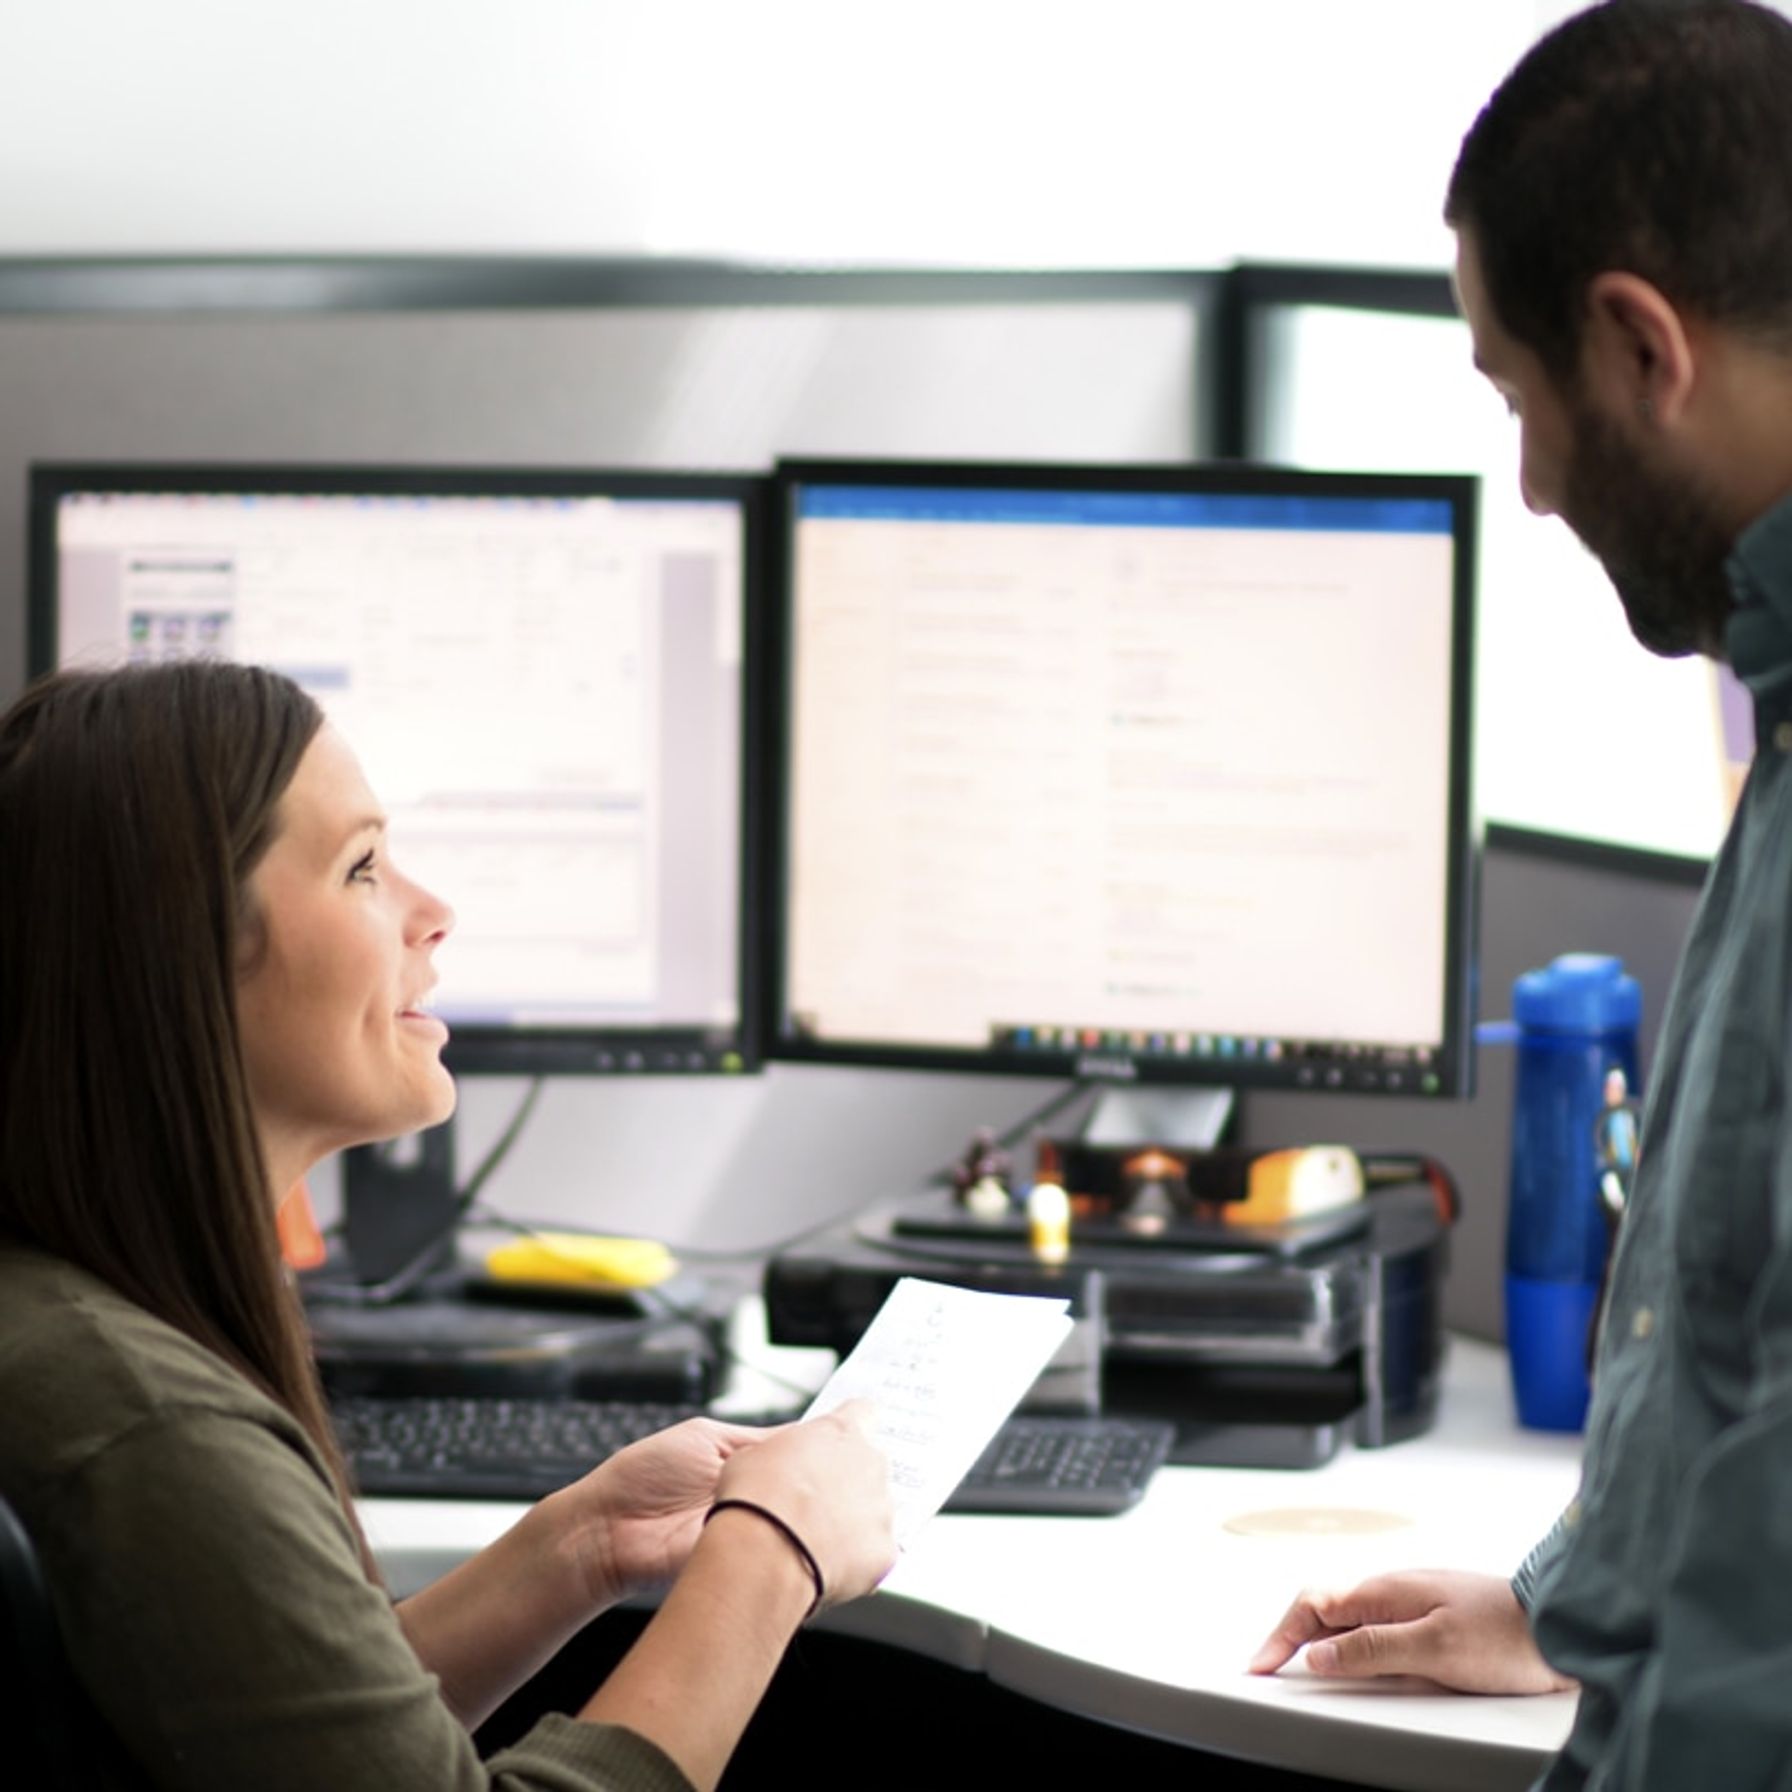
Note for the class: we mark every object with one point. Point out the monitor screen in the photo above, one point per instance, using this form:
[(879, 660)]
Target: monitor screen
[(545, 677), (1159, 775)]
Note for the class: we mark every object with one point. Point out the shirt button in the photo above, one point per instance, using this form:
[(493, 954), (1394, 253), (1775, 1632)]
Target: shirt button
[(1643, 1323), (1782, 736)]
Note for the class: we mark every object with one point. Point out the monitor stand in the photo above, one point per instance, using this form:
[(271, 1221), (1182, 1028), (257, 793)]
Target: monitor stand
[(1194, 1119)]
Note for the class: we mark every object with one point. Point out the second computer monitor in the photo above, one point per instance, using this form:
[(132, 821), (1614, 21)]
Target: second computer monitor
[(545, 677), (1152, 774)]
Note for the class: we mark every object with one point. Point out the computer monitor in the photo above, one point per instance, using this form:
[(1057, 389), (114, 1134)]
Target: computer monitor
[(1155, 775), (546, 676)]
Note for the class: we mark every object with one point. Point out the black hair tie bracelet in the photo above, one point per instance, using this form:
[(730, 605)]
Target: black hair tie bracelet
[(796, 1543)]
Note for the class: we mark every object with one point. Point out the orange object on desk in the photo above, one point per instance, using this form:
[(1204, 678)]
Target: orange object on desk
[(301, 1244), (1289, 1185)]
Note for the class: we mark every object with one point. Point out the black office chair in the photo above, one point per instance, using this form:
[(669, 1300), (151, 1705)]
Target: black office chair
[(44, 1719)]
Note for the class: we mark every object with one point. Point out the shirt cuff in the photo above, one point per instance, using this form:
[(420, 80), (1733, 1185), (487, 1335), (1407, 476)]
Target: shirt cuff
[(1532, 1569), (561, 1754)]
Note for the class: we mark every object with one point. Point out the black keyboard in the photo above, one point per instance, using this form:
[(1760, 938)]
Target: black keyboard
[(1065, 1466), (498, 1449)]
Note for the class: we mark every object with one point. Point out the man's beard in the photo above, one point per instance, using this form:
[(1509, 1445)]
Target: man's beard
[(1658, 540)]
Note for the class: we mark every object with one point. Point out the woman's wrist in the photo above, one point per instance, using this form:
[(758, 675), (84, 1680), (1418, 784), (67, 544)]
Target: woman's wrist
[(690, 1684), (573, 1530), (763, 1568), (788, 1532), (495, 1619)]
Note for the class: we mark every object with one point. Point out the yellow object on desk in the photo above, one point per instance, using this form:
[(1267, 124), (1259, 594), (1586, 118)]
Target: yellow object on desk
[(580, 1260), (1288, 1185), (1048, 1222)]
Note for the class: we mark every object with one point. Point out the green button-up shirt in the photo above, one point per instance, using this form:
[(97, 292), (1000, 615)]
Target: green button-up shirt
[(1666, 1588)]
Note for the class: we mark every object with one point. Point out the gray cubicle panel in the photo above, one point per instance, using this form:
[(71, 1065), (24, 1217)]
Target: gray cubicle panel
[(568, 363)]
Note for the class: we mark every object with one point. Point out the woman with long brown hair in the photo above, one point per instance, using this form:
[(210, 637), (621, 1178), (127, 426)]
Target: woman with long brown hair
[(211, 975)]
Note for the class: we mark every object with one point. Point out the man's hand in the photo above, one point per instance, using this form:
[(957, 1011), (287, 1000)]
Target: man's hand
[(1465, 1631)]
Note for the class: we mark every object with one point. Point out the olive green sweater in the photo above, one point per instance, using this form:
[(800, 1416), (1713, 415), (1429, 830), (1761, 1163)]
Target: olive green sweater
[(207, 1583)]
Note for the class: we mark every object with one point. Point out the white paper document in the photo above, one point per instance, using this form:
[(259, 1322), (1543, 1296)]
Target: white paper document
[(945, 1366)]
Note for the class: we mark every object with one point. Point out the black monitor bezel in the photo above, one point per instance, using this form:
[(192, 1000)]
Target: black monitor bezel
[(1453, 1069), (523, 1049)]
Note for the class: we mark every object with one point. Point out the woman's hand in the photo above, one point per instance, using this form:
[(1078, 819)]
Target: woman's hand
[(690, 1684), (633, 1523), (830, 1484), (1465, 1631), (635, 1519)]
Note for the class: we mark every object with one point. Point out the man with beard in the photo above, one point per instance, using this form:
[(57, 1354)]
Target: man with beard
[(1623, 211)]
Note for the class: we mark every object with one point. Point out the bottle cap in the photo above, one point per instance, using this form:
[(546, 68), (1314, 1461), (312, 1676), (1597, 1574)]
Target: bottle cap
[(1580, 992)]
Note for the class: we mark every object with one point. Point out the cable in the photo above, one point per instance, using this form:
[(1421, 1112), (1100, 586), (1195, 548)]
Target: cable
[(1382, 1168), (800, 1392), (1078, 1088), (423, 1260), (501, 1146)]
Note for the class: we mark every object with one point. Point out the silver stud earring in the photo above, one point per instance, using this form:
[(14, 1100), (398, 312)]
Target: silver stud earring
[(1645, 408)]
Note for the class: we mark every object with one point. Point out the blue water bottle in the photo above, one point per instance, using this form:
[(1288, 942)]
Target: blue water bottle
[(1576, 1023)]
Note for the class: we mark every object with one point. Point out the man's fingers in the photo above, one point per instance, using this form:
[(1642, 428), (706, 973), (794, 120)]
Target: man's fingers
[(1320, 1615), (1368, 1651), (1301, 1624), (1465, 1631)]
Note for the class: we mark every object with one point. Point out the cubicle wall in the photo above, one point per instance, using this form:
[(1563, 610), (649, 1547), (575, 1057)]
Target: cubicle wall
[(580, 364), (555, 363)]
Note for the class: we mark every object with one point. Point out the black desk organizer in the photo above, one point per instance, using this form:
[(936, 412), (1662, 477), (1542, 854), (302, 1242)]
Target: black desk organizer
[(1265, 1353), (461, 1334)]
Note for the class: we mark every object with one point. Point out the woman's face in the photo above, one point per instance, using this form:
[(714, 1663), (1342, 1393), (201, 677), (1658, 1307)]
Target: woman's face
[(331, 1005)]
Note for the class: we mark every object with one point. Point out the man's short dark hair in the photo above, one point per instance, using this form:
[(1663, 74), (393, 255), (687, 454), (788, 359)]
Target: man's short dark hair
[(1648, 136)]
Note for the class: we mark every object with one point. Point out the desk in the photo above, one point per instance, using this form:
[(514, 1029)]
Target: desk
[(1146, 1620)]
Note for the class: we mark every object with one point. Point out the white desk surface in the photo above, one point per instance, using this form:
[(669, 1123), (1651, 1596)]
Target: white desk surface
[(1148, 1619)]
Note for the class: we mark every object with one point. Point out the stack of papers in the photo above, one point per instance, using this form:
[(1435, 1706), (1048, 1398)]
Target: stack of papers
[(944, 1366)]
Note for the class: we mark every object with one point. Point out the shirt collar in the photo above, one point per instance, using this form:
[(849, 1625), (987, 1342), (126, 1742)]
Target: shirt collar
[(1759, 633)]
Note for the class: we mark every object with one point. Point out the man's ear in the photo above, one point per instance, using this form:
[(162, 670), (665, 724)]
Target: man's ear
[(1636, 353)]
